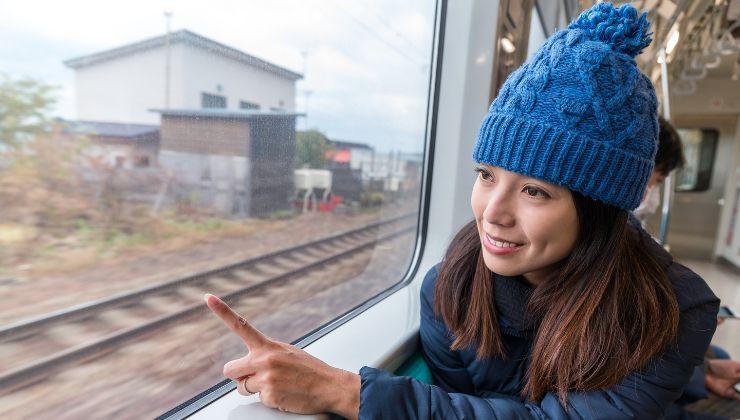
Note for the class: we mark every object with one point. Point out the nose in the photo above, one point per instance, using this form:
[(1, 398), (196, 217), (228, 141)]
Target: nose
[(500, 208)]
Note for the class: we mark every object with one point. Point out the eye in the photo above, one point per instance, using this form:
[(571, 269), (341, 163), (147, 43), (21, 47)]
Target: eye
[(484, 174), (535, 192)]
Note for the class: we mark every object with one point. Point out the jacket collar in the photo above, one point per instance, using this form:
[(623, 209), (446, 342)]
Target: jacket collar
[(511, 295)]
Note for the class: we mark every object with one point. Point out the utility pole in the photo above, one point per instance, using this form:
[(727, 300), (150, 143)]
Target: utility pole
[(167, 16), (306, 92)]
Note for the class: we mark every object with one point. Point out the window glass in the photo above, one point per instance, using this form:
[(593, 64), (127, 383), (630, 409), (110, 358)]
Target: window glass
[(556, 14), (699, 147), (537, 35), (266, 152)]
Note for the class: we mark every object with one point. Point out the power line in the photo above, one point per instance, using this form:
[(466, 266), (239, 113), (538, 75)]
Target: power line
[(395, 31), (375, 34)]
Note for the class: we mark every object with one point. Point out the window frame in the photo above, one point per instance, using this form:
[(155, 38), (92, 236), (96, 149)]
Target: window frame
[(703, 182)]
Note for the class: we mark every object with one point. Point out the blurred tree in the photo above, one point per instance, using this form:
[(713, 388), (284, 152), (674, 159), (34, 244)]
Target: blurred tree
[(24, 107), (41, 185), (311, 147)]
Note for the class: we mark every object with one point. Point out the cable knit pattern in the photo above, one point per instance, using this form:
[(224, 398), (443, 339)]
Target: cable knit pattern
[(580, 114)]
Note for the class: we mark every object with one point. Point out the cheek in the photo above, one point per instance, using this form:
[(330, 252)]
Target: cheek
[(553, 232), (477, 202), (569, 234)]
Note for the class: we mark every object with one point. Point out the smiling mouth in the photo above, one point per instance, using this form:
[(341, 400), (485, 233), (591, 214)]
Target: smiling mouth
[(501, 243)]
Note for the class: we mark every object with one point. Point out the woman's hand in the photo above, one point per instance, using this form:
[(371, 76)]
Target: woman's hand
[(286, 377)]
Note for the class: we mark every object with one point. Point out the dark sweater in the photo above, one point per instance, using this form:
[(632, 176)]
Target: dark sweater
[(466, 388)]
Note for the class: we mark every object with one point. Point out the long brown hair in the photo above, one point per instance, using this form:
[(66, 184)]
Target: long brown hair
[(606, 311)]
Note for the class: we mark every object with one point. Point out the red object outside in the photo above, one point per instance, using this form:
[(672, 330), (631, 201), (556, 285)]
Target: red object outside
[(325, 207), (339, 156)]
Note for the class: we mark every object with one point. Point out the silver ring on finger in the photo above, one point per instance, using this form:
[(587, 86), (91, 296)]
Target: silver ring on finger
[(243, 384)]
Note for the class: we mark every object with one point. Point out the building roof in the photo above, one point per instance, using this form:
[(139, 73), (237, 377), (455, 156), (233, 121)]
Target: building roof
[(110, 129), (245, 114), (348, 144), (187, 37)]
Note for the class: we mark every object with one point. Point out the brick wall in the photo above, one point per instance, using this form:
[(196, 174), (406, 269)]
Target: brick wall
[(209, 136)]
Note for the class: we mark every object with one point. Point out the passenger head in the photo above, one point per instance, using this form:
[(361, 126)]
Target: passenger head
[(564, 154), (669, 155), (579, 117)]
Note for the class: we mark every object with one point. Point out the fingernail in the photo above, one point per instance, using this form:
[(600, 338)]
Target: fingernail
[(205, 297)]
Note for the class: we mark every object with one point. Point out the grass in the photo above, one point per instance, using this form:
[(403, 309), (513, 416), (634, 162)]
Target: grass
[(29, 251)]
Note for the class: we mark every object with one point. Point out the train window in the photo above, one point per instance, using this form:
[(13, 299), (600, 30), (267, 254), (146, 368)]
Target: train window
[(699, 147), (295, 213), (555, 15)]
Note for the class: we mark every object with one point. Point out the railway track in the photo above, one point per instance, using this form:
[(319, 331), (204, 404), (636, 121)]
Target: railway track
[(43, 345)]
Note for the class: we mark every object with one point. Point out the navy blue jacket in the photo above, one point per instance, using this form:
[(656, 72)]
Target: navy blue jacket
[(466, 388)]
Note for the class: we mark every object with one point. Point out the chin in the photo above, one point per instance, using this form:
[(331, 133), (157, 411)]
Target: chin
[(503, 268)]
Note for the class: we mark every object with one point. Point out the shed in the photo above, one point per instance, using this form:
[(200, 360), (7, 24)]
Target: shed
[(240, 162)]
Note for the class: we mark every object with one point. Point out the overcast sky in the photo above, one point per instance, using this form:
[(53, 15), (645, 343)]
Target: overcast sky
[(367, 66)]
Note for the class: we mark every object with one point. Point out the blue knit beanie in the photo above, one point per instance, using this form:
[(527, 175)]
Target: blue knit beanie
[(580, 114)]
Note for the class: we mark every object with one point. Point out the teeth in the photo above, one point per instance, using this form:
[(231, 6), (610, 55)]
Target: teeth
[(502, 244)]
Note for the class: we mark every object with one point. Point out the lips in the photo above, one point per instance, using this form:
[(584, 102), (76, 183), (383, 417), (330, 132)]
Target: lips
[(502, 242), (500, 247)]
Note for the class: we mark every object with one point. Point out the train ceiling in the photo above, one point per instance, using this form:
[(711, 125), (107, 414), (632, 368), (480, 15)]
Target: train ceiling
[(701, 37)]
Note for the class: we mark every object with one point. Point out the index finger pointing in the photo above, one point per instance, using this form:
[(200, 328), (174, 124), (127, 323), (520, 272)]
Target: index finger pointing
[(236, 323)]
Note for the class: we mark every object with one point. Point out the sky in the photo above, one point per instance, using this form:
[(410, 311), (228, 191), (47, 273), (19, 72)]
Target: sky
[(366, 62)]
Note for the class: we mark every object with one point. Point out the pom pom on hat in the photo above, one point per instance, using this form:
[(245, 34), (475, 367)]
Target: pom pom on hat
[(621, 28)]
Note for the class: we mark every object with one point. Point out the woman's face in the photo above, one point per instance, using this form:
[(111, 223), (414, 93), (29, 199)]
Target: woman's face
[(525, 225)]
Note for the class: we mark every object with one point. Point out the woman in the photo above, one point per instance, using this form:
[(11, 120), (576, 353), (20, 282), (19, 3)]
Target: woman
[(546, 305)]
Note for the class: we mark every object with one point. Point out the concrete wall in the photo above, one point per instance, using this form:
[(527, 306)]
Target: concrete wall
[(124, 89), (219, 182), (205, 72)]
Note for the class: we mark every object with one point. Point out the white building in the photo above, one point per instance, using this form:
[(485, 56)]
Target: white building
[(393, 168), (122, 84)]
